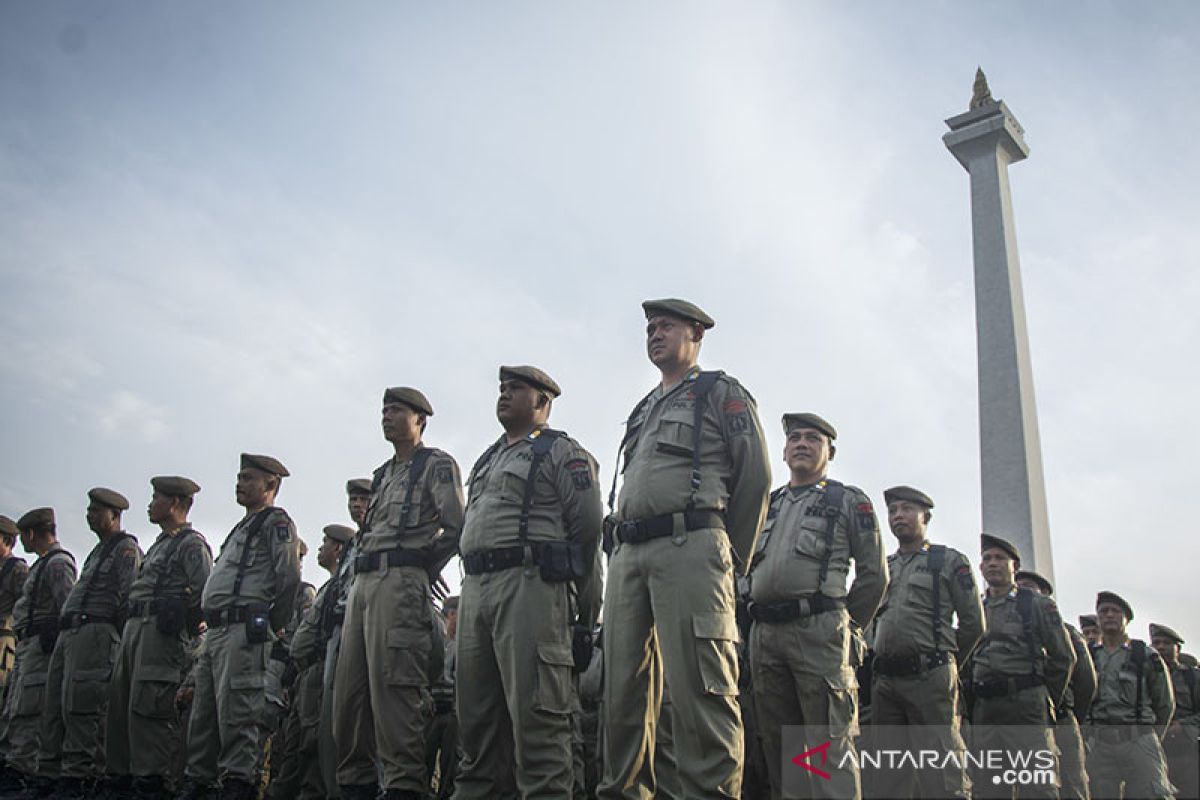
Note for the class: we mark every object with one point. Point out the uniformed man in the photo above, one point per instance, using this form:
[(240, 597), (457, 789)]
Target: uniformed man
[(410, 533), (1133, 708), (802, 604), (1179, 744), (696, 479), (1077, 699), (591, 696), (281, 676), (36, 616), (247, 602), (144, 736), (917, 649), (13, 571), (1090, 628), (1019, 672), (756, 781), (529, 541), (299, 765), (441, 736)]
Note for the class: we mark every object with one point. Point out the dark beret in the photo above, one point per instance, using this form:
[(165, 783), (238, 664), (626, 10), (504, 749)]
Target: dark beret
[(264, 463), (533, 376), (1043, 584), (174, 485), (1163, 630), (339, 533), (36, 518), (408, 396), (987, 541), (107, 497), (8, 527), (906, 493), (678, 308), (1086, 620), (358, 486), (808, 420), (1115, 599)]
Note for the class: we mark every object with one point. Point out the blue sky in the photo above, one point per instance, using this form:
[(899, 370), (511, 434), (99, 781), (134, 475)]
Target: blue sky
[(229, 226)]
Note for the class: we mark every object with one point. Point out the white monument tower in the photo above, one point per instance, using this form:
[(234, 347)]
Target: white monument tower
[(985, 140)]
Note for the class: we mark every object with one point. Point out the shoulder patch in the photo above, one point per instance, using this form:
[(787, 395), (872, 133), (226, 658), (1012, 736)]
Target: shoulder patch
[(866, 515), (734, 405), (283, 532), (962, 574), (444, 473), (581, 473)]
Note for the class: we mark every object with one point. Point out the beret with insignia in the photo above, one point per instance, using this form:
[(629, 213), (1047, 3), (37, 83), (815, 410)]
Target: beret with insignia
[(1117, 600), (107, 497), (8, 527), (174, 485), (36, 518), (1088, 620), (267, 464), (673, 307), (339, 533), (533, 376), (358, 486), (989, 542), (1043, 585), (808, 420), (408, 396), (1163, 630), (907, 493)]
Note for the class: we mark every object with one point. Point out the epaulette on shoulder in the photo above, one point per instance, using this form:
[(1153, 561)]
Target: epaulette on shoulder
[(732, 382)]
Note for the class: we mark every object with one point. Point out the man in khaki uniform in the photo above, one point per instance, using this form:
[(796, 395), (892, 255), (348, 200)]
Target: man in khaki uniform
[(696, 479), (36, 616), (1090, 628), (144, 737), (917, 648), (410, 533), (13, 571), (441, 735), (529, 541), (247, 601), (1019, 671), (71, 741), (1179, 744), (1133, 709), (1072, 766), (299, 772), (802, 607)]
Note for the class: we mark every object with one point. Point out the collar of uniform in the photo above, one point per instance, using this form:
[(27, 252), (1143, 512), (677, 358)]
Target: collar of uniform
[(901, 554), (173, 532), (796, 491), (987, 596), (535, 433)]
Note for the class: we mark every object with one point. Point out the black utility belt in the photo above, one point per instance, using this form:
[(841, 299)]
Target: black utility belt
[(637, 531), (225, 617), (557, 562), (791, 610), (72, 621), (37, 629), (144, 608), (399, 557), (1006, 686), (912, 665), (1116, 732)]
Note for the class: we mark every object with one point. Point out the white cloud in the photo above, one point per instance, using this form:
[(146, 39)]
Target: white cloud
[(127, 414)]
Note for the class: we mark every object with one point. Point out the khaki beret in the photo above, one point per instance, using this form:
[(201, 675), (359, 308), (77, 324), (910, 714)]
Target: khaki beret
[(8, 527), (988, 542), (1044, 585), (409, 397), (1115, 599), (1163, 630), (533, 376), (906, 493), (339, 533), (808, 420), (264, 463), (358, 486), (1088, 621), (678, 308), (107, 497), (174, 485), (36, 518)]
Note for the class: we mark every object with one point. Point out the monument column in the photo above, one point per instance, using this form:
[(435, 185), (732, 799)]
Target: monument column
[(985, 140)]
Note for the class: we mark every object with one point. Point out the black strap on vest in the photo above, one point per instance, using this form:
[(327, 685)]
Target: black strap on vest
[(105, 552), (937, 559), (1137, 654), (481, 461), (37, 582), (415, 470), (542, 445), (169, 561), (831, 508), (251, 534), (1025, 609), (1189, 677)]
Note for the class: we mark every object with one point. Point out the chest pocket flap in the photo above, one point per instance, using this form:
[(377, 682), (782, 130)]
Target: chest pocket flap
[(810, 538), (676, 432)]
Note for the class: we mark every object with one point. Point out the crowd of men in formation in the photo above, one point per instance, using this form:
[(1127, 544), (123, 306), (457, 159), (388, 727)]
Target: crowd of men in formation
[(730, 615)]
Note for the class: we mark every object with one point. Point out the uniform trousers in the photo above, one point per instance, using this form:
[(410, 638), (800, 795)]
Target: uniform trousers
[(1138, 766), (1018, 722), (26, 700), (326, 747), (71, 739), (298, 766), (1072, 758)]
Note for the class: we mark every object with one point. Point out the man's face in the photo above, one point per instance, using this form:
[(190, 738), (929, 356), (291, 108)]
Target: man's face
[(1111, 618), (1167, 647), (1090, 632), (517, 403), (997, 567), (806, 451), (401, 423), (101, 518), (670, 340), (26, 537), (159, 510), (253, 487), (328, 553), (1029, 583), (6, 547), (907, 520), (357, 505)]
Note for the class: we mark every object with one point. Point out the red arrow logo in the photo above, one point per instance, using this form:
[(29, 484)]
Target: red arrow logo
[(802, 760)]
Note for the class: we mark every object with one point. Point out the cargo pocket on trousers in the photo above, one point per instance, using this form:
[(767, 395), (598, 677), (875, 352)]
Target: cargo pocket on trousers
[(88, 691), (716, 651), (31, 695), (553, 692), (247, 700), (843, 712), (408, 657), (154, 692)]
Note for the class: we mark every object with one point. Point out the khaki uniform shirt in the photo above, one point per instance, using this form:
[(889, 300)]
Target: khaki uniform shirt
[(103, 586), (272, 568), (308, 642), (734, 473), (787, 562), (1116, 692), (435, 516), (566, 504), (187, 565), (10, 589), (1187, 710), (1005, 652), (52, 590), (904, 624)]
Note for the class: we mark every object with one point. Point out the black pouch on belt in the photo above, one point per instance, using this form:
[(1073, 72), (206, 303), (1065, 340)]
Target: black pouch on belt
[(581, 646), (560, 562), (258, 624), (171, 616)]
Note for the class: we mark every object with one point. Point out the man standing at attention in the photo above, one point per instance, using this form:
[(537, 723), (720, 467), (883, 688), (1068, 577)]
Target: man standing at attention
[(696, 480), (1179, 743), (13, 571)]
